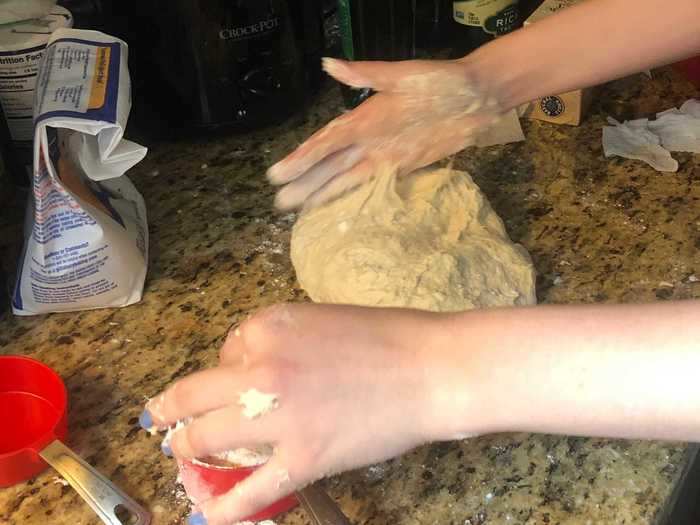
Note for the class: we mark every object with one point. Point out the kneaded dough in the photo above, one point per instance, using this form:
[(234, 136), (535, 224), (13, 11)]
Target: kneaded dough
[(429, 241)]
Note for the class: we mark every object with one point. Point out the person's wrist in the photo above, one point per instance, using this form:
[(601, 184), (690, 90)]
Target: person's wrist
[(484, 68), (461, 400)]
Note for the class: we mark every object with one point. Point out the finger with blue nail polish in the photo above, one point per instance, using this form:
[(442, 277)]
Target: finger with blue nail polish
[(166, 445), (146, 420), (197, 519), (192, 396), (165, 448), (150, 419)]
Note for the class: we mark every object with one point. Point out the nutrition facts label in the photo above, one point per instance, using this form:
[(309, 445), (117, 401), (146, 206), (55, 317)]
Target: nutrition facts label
[(22, 47), (18, 72)]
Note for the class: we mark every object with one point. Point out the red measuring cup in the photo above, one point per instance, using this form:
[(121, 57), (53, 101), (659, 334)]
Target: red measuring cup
[(203, 481), (33, 409)]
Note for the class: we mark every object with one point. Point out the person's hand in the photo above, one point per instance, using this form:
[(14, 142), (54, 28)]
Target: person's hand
[(423, 111), (353, 387)]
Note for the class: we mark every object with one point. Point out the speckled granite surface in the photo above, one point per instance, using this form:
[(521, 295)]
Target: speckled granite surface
[(599, 230)]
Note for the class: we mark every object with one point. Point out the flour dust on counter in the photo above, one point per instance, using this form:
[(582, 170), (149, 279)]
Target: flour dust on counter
[(429, 241)]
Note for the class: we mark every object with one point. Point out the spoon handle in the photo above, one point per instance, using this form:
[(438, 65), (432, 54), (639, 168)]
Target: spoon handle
[(112, 505), (320, 507)]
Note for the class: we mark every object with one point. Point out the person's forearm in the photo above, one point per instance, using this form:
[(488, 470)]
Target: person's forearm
[(613, 371), (584, 45)]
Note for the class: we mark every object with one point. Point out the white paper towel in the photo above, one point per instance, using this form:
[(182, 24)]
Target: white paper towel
[(652, 140), (691, 107), (679, 129)]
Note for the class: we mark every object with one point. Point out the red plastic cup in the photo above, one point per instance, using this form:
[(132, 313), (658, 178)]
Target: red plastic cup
[(690, 68), (33, 408), (204, 481)]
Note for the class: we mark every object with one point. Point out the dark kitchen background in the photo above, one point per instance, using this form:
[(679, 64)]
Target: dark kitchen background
[(218, 64)]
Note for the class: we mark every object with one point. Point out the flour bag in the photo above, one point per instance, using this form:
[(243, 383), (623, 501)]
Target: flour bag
[(86, 237)]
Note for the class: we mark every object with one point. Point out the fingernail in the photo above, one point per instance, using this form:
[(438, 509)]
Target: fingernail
[(197, 519), (342, 71), (330, 63), (167, 450), (274, 173), (334, 67), (146, 420), (285, 200)]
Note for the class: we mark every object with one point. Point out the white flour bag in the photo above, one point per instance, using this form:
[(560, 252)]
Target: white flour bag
[(86, 237)]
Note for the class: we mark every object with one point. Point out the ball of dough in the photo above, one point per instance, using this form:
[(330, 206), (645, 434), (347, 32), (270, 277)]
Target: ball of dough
[(429, 241)]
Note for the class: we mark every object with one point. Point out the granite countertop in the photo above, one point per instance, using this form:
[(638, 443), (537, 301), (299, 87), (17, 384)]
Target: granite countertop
[(599, 231)]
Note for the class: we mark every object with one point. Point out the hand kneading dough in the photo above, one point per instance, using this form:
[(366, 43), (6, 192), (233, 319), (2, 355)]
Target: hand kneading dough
[(429, 241)]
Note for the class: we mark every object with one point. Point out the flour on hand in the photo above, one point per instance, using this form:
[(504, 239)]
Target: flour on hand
[(246, 457), (240, 457), (256, 403)]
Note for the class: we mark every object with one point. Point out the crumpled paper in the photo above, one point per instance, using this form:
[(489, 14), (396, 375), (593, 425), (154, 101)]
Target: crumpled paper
[(505, 130), (633, 140), (653, 140), (679, 129)]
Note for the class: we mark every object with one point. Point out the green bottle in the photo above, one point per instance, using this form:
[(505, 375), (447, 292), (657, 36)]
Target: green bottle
[(375, 30), (480, 21)]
